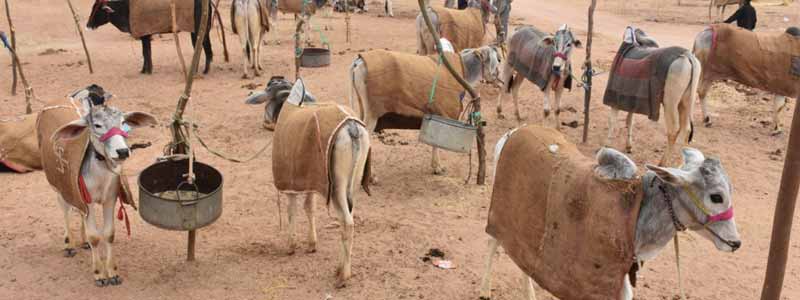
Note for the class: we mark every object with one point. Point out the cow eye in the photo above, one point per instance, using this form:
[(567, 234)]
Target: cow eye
[(716, 198)]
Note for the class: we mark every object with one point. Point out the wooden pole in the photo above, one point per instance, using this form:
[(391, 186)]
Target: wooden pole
[(298, 51), (481, 178), (588, 72), (222, 30), (784, 213), (80, 32), (28, 89), (177, 38), (13, 32), (347, 19), (178, 139)]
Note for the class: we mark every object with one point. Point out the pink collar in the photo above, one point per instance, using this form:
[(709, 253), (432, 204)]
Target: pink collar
[(112, 132)]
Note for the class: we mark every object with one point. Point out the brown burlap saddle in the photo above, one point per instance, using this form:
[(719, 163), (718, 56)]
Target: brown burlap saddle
[(570, 230), (62, 159), (400, 84), (19, 149), (155, 16), (767, 61), (263, 12), (530, 57), (303, 144), (463, 28), (638, 76)]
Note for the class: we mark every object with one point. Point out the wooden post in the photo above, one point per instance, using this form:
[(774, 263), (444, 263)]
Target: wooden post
[(784, 212), (177, 38), (222, 30), (481, 178), (178, 139), (298, 51), (347, 19), (588, 72), (28, 89), (13, 33), (80, 32)]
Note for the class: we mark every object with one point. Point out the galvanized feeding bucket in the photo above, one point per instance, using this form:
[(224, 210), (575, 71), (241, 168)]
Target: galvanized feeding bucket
[(315, 57), (447, 134), (167, 201)]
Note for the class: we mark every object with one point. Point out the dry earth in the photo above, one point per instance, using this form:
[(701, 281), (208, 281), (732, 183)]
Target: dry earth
[(242, 255)]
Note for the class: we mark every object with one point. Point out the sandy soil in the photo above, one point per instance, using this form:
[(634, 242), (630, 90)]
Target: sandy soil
[(242, 255)]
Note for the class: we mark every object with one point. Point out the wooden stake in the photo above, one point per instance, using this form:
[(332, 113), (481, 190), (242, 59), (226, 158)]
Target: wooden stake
[(784, 212), (15, 59), (177, 39), (80, 32), (588, 72), (481, 178), (13, 32), (222, 30), (347, 19)]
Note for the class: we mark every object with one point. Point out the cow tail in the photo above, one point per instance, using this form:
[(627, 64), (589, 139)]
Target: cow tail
[(353, 93), (693, 83), (355, 137)]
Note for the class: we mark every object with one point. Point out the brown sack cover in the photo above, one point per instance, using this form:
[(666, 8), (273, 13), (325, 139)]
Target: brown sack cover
[(155, 16), (19, 149), (767, 61), (302, 145), (263, 12), (569, 230), (400, 83), (62, 160), (463, 28)]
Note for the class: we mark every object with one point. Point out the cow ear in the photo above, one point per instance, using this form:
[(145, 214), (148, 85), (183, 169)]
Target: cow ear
[(548, 41), (672, 176), (578, 44), (139, 119), (257, 98), (70, 130)]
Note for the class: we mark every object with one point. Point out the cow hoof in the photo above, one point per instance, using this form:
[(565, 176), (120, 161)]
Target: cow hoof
[(777, 132), (500, 116), (484, 298), (373, 180), (100, 282), (311, 250), (340, 283), (290, 252), (69, 252), (439, 171), (629, 150), (86, 246), (116, 280), (245, 76)]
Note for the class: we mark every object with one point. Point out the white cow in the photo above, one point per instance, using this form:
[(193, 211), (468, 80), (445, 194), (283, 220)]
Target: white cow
[(250, 21)]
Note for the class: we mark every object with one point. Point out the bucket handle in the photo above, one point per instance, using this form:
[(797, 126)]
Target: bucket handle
[(189, 202)]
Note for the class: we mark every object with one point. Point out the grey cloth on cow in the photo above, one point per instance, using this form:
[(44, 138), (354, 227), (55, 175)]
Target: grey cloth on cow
[(532, 59)]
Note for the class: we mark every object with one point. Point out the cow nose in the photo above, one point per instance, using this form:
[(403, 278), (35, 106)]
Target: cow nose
[(557, 68), (735, 245), (123, 153)]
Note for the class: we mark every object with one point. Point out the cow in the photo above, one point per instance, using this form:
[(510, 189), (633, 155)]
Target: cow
[(766, 61), (465, 29), (83, 146), (579, 226), (545, 60), (392, 89), (645, 78), (117, 12), (361, 5), (250, 20), (318, 148)]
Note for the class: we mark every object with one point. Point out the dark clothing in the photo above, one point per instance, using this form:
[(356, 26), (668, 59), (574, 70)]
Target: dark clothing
[(745, 17), (462, 4)]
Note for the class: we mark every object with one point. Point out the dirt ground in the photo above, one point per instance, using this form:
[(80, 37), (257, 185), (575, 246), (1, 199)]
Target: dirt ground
[(243, 255)]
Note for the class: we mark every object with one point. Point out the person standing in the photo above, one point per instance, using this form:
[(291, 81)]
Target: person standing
[(503, 8), (745, 16)]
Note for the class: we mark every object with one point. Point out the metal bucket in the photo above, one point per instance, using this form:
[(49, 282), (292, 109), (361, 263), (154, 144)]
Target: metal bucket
[(447, 133), (181, 214), (315, 57)]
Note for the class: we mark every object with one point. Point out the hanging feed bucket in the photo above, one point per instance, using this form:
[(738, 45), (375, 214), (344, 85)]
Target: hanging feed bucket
[(315, 57), (168, 202), (447, 133)]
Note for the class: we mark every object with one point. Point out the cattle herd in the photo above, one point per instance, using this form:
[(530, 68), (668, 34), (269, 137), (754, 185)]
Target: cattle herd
[(575, 225)]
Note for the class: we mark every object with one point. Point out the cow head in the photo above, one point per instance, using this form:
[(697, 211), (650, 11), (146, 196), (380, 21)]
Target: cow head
[(703, 202), (562, 42), (107, 126), (114, 11), (638, 37), (278, 92), (489, 59), (486, 7)]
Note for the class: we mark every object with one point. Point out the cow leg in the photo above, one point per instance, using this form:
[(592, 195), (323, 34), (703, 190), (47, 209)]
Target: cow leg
[(558, 92), (343, 167), (702, 92), (515, 95), (69, 245), (629, 140), (546, 105), (435, 164), (673, 127), (292, 209), (486, 281), (505, 76), (147, 66), (310, 206), (778, 105), (244, 40), (84, 241), (108, 240), (388, 8), (209, 54), (261, 36), (612, 123), (530, 293), (100, 278), (627, 289)]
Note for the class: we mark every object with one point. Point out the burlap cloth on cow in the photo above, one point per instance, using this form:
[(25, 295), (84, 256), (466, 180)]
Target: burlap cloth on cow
[(263, 12), (19, 149), (62, 159), (155, 16), (638, 77), (302, 146), (532, 59), (767, 61), (463, 28), (568, 229), (400, 83)]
